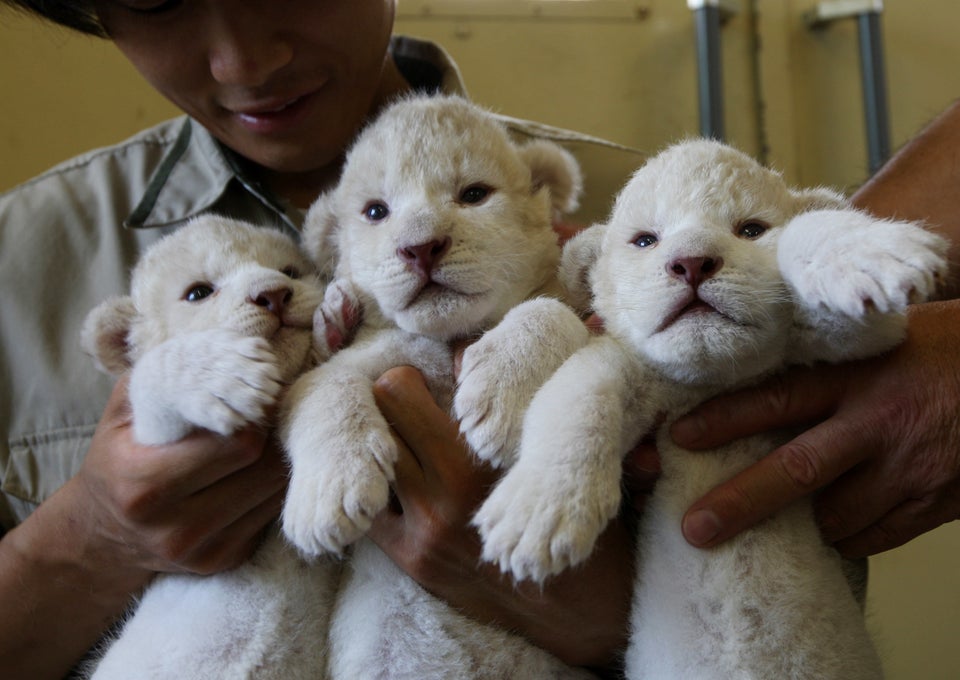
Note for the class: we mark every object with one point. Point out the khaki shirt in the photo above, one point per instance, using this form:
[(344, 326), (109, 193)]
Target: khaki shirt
[(69, 238)]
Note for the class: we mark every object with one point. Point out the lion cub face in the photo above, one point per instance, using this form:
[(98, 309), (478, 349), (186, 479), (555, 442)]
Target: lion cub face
[(213, 273), (440, 220), (686, 268)]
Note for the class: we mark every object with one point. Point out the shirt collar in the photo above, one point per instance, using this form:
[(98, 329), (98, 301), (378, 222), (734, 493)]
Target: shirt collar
[(193, 175)]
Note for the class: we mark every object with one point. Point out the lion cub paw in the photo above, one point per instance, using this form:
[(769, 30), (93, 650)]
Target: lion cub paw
[(501, 372), (332, 501), (489, 411), (853, 263), (534, 525), (216, 380)]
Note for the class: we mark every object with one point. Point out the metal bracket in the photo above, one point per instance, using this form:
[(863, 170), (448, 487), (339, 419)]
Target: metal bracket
[(873, 77), (708, 17)]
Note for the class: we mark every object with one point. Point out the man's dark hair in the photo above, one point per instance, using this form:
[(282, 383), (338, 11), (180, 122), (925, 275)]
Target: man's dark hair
[(77, 15)]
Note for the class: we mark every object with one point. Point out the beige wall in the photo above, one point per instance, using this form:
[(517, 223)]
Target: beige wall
[(632, 80), (64, 94)]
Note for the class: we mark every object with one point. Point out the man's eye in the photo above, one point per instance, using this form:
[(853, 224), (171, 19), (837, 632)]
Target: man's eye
[(198, 291), (475, 194), (645, 240), (752, 229), (376, 211)]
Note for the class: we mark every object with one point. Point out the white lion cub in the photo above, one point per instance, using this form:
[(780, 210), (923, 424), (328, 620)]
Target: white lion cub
[(709, 274), (441, 224), (219, 317)]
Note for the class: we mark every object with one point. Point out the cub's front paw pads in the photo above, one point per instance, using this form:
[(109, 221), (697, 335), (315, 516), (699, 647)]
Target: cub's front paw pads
[(534, 528)]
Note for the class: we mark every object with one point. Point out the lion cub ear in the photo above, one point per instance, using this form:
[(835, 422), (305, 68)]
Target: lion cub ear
[(106, 334), (554, 167), (319, 235), (817, 198), (580, 254)]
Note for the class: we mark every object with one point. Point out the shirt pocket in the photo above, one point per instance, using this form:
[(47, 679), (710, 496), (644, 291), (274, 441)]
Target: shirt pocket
[(42, 462)]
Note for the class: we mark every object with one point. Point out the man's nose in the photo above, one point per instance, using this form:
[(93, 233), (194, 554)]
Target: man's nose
[(244, 50)]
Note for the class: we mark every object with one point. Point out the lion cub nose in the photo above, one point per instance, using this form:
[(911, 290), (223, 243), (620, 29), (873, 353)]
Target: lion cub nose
[(274, 300), (695, 270), (422, 258)]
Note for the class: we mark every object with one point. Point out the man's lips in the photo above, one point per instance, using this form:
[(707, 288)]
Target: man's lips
[(274, 114), (266, 108)]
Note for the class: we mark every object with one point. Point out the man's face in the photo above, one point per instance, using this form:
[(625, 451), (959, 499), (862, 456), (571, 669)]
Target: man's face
[(285, 83)]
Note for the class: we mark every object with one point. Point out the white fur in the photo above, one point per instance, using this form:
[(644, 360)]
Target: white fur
[(220, 361), (267, 619), (217, 363), (431, 174), (822, 282)]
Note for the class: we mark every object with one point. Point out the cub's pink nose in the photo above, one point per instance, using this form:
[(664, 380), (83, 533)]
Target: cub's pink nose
[(421, 258), (695, 270), (274, 300)]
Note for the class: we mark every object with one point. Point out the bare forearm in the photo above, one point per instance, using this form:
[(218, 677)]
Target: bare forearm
[(922, 182), (58, 595)]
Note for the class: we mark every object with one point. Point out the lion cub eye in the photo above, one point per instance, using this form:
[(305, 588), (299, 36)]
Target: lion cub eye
[(645, 240), (197, 292), (376, 211), (751, 229), (291, 272), (475, 194)]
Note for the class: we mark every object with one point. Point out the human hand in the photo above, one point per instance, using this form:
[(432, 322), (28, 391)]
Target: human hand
[(197, 505), (883, 450), (580, 616)]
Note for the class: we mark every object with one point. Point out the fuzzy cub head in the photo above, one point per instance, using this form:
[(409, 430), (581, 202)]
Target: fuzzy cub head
[(441, 222), (685, 271), (213, 273)]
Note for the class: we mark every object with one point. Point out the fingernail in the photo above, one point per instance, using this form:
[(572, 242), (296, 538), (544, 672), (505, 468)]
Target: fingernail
[(700, 527), (687, 430)]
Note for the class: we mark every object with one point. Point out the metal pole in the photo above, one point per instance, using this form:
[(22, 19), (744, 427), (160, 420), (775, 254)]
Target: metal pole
[(706, 20), (874, 89), (873, 77)]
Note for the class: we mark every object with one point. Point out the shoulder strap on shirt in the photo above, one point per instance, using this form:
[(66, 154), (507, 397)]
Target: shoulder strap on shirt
[(140, 214)]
